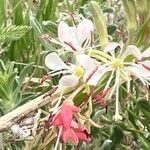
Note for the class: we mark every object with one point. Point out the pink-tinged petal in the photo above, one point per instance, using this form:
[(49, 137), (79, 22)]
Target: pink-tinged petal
[(93, 75), (146, 64), (139, 71), (70, 135), (75, 109), (73, 35), (132, 50), (146, 53), (84, 29), (68, 36), (54, 62), (64, 116), (80, 131), (86, 61), (57, 121), (73, 47), (82, 135), (99, 98), (63, 32), (69, 81), (111, 47)]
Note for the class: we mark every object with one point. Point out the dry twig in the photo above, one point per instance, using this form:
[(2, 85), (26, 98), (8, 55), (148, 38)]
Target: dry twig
[(14, 116)]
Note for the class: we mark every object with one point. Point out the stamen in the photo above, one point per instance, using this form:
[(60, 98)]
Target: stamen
[(117, 116), (109, 81)]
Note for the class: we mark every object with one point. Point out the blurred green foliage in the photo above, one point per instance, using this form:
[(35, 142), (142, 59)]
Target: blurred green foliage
[(22, 49)]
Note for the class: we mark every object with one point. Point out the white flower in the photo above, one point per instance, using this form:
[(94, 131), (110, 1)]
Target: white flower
[(75, 38), (123, 69), (85, 67), (92, 70), (55, 63)]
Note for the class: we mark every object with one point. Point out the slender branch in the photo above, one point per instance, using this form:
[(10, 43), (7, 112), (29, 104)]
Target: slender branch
[(14, 116)]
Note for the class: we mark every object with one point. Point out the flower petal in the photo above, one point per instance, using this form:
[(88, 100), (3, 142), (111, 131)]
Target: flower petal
[(111, 47), (54, 62), (67, 111), (146, 64), (70, 135), (68, 36), (69, 81), (96, 76), (63, 32), (132, 50), (84, 29), (80, 131), (139, 71), (146, 53), (57, 121), (86, 61), (64, 116), (73, 35)]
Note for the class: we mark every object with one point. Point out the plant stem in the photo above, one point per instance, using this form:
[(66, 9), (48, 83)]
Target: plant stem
[(58, 138), (14, 116)]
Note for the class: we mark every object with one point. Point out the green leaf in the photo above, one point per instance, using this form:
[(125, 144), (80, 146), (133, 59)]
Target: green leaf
[(2, 66), (145, 143), (24, 73), (17, 12), (112, 28), (98, 114), (116, 136), (2, 11), (142, 103), (142, 10), (3, 94), (144, 106), (11, 33), (132, 117)]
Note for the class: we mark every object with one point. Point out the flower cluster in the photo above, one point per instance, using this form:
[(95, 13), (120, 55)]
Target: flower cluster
[(119, 62)]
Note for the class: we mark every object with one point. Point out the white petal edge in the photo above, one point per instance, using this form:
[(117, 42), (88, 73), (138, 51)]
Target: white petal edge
[(84, 29), (146, 53), (110, 47), (146, 64), (96, 76), (139, 71), (63, 32), (86, 61), (132, 50), (54, 62), (69, 81)]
